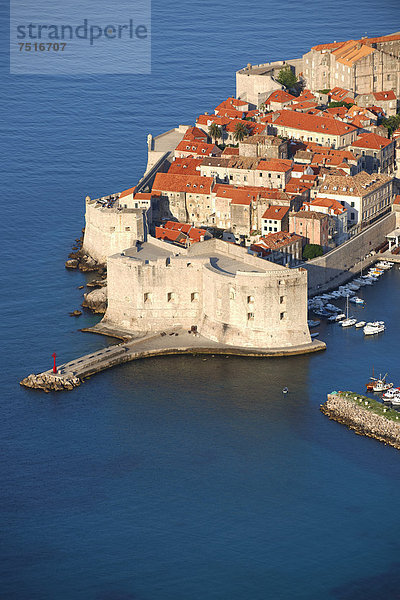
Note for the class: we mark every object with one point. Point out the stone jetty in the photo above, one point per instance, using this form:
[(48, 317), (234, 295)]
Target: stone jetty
[(168, 342), (365, 416)]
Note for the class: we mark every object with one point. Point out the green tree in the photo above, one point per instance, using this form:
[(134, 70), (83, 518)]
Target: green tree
[(240, 132), (337, 104), (287, 78), (312, 251), (392, 123), (215, 131)]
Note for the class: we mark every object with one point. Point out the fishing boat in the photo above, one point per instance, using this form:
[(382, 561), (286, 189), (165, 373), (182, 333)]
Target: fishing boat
[(378, 384)]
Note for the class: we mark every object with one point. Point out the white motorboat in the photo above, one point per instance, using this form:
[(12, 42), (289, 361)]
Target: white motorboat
[(360, 324), (340, 316), (391, 393), (357, 300), (372, 329)]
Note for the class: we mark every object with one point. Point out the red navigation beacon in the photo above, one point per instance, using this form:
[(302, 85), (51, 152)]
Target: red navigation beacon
[(54, 365)]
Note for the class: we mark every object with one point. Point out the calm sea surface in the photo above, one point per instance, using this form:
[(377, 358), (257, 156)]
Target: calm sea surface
[(176, 478)]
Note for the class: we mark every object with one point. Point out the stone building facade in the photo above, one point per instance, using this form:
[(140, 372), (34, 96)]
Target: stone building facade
[(218, 288), (110, 228), (363, 66)]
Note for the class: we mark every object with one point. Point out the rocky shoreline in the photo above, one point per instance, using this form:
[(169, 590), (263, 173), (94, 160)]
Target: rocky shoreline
[(364, 416), (49, 382), (95, 300)]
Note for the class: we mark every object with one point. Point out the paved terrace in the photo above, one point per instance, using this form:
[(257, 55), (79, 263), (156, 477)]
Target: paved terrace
[(170, 342)]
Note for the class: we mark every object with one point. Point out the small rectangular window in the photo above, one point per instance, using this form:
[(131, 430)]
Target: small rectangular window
[(281, 299), (194, 296), (250, 299), (282, 316), (148, 297), (250, 316)]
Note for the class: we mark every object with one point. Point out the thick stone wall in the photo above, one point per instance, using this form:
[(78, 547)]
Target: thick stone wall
[(236, 307), (343, 262), (109, 230), (255, 309)]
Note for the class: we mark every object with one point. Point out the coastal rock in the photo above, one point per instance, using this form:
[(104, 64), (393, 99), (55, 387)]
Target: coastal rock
[(71, 264), (50, 382), (75, 313), (96, 300)]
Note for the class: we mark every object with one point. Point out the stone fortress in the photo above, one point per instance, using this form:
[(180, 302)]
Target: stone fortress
[(213, 288), (365, 66)]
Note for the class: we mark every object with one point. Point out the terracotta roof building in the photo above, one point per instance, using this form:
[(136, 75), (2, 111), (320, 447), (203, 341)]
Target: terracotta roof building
[(311, 128)]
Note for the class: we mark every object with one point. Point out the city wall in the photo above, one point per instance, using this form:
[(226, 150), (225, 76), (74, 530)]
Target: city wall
[(109, 230), (340, 264)]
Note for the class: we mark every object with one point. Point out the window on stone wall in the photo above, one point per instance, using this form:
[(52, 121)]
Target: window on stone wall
[(281, 299), (171, 297), (250, 299), (127, 228), (232, 295), (194, 296), (148, 297), (282, 315), (112, 229), (250, 316)]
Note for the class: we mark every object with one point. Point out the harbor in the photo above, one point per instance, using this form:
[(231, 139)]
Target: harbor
[(170, 342)]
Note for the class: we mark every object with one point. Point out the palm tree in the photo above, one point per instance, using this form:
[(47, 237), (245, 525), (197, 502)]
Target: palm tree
[(214, 131), (240, 132)]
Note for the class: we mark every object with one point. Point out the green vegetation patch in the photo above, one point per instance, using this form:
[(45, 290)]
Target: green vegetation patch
[(371, 405)]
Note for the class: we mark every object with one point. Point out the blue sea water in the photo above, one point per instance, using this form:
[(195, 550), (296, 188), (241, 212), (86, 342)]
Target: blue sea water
[(175, 478)]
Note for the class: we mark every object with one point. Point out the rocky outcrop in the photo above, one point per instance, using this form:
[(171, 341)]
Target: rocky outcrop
[(96, 300), (361, 414), (72, 263), (51, 382)]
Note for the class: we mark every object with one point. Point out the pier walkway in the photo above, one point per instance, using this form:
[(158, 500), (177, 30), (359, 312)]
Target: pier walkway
[(170, 342)]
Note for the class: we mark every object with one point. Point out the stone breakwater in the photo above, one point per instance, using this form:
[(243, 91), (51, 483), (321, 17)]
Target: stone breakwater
[(361, 414), (49, 382)]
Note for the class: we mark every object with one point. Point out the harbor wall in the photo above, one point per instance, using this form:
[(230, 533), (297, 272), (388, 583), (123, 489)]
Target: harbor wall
[(342, 263)]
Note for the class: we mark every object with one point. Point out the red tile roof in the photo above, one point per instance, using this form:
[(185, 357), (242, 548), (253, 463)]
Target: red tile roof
[(383, 96), (231, 103), (281, 165), (172, 231), (194, 133), (186, 166), (194, 184), (371, 140), (275, 241), (305, 122), (198, 148), (127, 192), (230, 151), (276, 212), (280, 96)]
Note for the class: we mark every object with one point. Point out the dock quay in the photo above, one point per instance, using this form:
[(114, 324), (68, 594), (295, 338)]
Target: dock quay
[(170, 342), (365, 416)]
